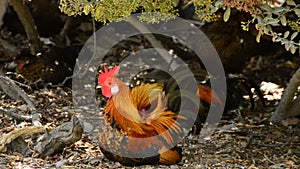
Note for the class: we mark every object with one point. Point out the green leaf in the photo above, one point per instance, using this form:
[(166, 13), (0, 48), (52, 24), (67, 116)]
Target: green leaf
[(274, 39), (278, 10), (265, 7), (294, 35), (226, 14), (258, 36), (219, 3), (292, 48), (297, 12), (286, 34), (277, 40), (272, 21), (290, 3), (87, 9), (283, 20)]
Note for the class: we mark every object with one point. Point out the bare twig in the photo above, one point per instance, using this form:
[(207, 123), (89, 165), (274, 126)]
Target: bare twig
[(14, 91), (67, 27), (8, 138), (267, 158), (15, 115), (272, 145)]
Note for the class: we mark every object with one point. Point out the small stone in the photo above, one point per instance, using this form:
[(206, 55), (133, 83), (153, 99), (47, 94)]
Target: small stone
[(23, 107)]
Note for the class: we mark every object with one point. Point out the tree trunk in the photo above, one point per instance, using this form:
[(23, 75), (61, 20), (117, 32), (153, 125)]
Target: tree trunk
[(28, 24), (288, 106)]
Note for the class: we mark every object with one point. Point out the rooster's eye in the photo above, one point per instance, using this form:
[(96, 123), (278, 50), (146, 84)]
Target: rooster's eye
[(108, 83)]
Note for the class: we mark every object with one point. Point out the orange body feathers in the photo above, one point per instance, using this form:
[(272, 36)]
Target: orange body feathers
[(142, 116)]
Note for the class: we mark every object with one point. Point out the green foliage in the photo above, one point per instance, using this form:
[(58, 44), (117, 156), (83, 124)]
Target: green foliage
[(267, 19), (72, 7), (244, 5), (206, 9), (295, 25), (266, 14), (116, 10), (156, 17)]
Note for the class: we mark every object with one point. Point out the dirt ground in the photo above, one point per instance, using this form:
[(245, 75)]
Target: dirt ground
[(245, 141)]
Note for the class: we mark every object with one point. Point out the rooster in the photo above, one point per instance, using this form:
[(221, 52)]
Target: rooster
[(141, 112)]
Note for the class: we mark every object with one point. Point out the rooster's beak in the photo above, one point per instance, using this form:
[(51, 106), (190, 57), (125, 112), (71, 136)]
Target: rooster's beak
[(98, 87)]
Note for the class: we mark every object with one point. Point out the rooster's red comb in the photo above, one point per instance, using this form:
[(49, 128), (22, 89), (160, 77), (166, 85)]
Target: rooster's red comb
[(107, 74)]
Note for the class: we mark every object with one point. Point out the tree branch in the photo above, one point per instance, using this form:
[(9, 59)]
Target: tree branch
[(28, 24)]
